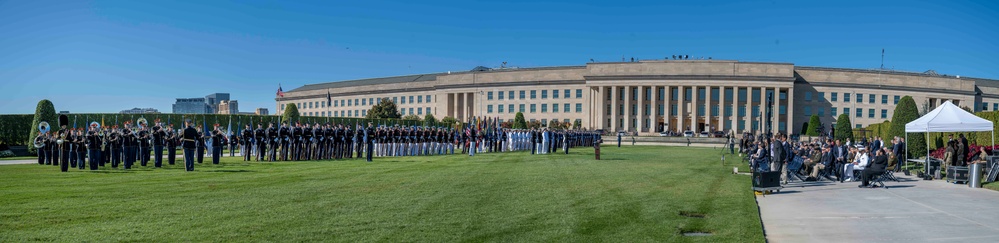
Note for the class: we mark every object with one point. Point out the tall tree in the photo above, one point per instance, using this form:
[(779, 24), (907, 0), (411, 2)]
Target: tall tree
[(576, 124), (386, 109), (449, 121), (906, 112), (411, 117), (429, 120), (814, 126), (844, 128), (519, 122), (291, 114), (45, 111)]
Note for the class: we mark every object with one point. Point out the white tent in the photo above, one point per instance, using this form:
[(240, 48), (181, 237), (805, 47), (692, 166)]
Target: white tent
[(948, 118)]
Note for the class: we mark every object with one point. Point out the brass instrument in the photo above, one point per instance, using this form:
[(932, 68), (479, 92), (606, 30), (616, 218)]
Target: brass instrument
[(43, 127)]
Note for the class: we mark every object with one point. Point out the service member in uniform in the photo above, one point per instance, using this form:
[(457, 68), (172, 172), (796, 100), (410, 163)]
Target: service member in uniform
[(218, 140), (189, 140), (247, 140)]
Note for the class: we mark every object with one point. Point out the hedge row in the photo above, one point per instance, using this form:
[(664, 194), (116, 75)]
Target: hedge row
[(939, 139), (15, 129)]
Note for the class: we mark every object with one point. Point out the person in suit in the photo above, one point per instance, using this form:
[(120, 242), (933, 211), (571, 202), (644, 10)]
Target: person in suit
[(189, 142), (899, 151), (876, 168)]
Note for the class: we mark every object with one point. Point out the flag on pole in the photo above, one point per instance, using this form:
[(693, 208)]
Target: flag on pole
[(329, 98), (280, 92), (229, 129)]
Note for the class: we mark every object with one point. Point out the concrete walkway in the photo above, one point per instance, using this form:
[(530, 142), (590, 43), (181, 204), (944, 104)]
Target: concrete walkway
[(908, 211)]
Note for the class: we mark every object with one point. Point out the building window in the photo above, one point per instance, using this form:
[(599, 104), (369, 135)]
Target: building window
[(579, 93), (896, 99), (510, 108), (419, 111), (544, 122), (756, 96), (521, 108), (687, 93), (566, 107), (620, 109), (714, 110), (634, 93), (522, 96), (410, 99), (534, 108), (672, 110), (428, 100), (608, 109), (500, 95), (714, 94), (728, 110), (846, 97), (985, 106), (742, 95), (808, 110), (833, 96), (702, 95), (489, 109), (419, 99), (858, 126), (500, 109), (700, 110), (782, 110), (544, 94), (822, 111), (808, 96), (742, 124), (395, 100), (648, 94), (403, 100), (884, 113), (544, 108), (995, 106), (822, 97), (565, 94), (534, 94), (846, 111), (634, 109), (579, 107), (870, 113), (489, 95), (884, 99), (510, 95), (860, 98), (674, 94), (832, 111), (860, 113), (648, 110), (741, 111), (659, 109), (870, 98), (555, 108), (554, 94)]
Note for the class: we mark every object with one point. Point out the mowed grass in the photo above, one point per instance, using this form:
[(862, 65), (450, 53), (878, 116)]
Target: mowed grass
[(634, 194)]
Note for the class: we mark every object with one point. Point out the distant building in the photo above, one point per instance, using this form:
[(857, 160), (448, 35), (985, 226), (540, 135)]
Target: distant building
[(228, 107), (140, 111), (262, 111), (247, 113), (63, 112), (207, 105)]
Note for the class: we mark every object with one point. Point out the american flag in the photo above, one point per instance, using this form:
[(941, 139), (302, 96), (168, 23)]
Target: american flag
[(280, 93)]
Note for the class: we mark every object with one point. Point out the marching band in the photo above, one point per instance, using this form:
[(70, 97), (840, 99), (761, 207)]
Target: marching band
[(287, 142)]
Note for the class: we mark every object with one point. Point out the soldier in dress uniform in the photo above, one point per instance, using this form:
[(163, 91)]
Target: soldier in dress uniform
[(218, 140), (272, 142), (80, 149), (94, 142), (170, 139), (144, 136), (116, 146), (158, 135), (307, 142), (129, 139), (61, 141), (189, 139), (284, 138), (233, 141), (201, 146), (247, 140), (260, 137)]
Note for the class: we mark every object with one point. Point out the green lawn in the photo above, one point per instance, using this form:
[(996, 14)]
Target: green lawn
[(20, 158), (634, 194)]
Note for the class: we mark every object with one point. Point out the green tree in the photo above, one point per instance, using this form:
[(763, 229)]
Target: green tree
[(385, 109), (534, 124), (814, 126), (906, 112), (576, 124), (844, 129), (804, 128), (291, 114), (519, 122), (429, 120), (45, 111), (554, 124), (411, 117)]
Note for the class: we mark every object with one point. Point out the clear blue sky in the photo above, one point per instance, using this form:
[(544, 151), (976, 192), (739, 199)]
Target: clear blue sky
[(105, 56)]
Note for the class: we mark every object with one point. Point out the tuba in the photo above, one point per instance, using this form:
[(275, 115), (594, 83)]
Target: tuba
[(43, 127)]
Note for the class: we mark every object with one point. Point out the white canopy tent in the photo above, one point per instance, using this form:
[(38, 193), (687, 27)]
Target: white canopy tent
[(947, 118)]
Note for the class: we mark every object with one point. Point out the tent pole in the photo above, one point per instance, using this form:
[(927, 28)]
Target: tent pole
[(927, 152), (906, 160)]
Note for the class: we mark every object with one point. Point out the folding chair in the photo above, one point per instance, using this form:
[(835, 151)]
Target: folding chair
[(794, 169), (879, 179)]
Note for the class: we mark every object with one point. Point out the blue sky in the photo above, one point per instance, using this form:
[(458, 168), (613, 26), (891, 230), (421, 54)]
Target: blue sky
[(106, 56)]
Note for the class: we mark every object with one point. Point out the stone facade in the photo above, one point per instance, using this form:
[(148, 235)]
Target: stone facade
[(652, 96)]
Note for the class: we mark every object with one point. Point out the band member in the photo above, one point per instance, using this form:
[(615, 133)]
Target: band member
[(74, 146), (202, 135), (62, 137), (93, 143), (116, 147), (189, 141), (247, 143), (129, 138), (217, 142), (158, 134), (233, 142), (272, 142), (80, 148), (40, 147), (171, 144), (369, 140), (144, 136)]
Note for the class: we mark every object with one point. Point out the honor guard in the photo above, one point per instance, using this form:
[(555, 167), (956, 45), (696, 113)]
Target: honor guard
[(247, 143)]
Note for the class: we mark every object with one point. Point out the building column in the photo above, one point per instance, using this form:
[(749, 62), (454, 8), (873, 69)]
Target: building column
[(680, 111), (735, 109), (693, 110), (666, 107), (459, 101), (790, 110), (763, 109), (721, 108), (627, 108), (707, 109), (640, 113), (614, 107), (469, 104), (748, 118), (776, 111)]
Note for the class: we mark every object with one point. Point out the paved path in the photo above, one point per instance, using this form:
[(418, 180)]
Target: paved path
[(908, 211)]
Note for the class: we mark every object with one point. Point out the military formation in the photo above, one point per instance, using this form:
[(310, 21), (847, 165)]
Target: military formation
[(139, 142)]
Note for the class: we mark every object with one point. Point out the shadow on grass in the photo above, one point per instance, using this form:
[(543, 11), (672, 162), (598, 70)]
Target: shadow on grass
[(229, 171)]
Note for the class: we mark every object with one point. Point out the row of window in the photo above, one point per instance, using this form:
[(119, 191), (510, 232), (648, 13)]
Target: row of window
[(834, 97), (859, 112), (673, 110), (544, 108), (534, 94), (724, 125), (985, 106), (363, 113), (688, 94), (419, 99)]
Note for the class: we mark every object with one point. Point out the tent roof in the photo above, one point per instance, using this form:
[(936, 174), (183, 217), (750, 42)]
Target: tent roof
[(949, 118)]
